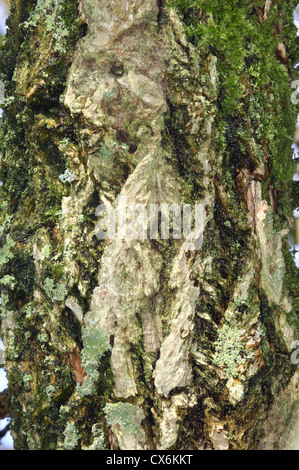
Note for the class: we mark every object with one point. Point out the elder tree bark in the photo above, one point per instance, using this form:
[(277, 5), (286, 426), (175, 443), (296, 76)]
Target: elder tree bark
[(140, 344)]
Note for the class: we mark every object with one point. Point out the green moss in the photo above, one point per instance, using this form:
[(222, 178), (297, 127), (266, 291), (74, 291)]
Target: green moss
[(254, 85), (23, 269), (39, 136), (291, 284)]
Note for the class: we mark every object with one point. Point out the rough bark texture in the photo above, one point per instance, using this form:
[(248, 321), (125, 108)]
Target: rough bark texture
[(143, 344)]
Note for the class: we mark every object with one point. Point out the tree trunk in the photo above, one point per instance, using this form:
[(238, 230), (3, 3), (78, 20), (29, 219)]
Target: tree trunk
[(148, 343)]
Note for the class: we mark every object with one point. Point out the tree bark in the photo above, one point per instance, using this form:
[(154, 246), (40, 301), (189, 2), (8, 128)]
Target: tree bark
[(146, 344)]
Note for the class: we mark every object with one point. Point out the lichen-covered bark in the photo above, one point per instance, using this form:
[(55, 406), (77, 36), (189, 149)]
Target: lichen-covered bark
[(146, 344)]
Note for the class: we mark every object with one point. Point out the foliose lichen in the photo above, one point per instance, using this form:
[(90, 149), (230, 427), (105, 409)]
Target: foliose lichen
[(71, 436), (56, 293), (96, 342), (230, 351), (126, 415)]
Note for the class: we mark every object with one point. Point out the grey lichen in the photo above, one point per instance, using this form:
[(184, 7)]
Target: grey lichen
[(230, 351), (67, 177), (51, 11), (8, 281), (56, 293), (96, 344), (126, 415), (5, 252), (27, 380), (46, 252), (50, 390), (99, 439), (71, 436)]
